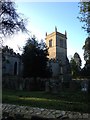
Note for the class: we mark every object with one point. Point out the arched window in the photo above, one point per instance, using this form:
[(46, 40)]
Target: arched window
[(15, 68)]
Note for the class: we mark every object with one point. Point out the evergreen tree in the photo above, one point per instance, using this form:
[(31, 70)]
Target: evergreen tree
[(35, 59), (78, 60), (75, 64)]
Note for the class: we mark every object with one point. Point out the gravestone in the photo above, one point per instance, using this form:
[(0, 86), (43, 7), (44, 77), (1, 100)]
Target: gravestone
[(84, 86)]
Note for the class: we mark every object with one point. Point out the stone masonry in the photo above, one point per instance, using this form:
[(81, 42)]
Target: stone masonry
[(27, 112)]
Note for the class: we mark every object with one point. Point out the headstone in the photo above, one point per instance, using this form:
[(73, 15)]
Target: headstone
[(84, 86)]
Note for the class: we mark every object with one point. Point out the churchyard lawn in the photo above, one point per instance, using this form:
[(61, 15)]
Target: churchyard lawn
[(71, 101)]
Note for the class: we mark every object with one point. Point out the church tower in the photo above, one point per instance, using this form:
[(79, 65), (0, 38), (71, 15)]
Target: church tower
[(57, 44)]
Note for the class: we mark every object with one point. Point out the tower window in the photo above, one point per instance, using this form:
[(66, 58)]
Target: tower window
[(50, 43)]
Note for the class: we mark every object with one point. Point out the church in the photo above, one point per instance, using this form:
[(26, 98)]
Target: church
[(58, 61)]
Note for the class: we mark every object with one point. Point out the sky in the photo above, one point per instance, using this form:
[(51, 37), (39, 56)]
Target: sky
[(42, 17)]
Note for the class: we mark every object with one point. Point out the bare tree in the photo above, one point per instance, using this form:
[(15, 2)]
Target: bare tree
[(10, 21), (84, 15)]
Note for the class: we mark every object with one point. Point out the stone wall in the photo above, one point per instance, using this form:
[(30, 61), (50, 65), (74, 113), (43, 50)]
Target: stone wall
[(55, 68), (27, 112), (79, 84), (12, 64), (53, 85), (17, 83)]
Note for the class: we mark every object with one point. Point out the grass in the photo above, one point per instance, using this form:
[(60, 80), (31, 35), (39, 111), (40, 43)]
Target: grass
[(72, 101)]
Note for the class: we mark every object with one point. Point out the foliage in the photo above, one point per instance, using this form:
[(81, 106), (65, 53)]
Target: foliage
[(10, 21), (72, 101), (86, 69), (85, 18), (74, 68), (75, 63), (85, 72), (35, 59), (10, 51), (78, 60), (6, 49), (84, 15), (86, 48)]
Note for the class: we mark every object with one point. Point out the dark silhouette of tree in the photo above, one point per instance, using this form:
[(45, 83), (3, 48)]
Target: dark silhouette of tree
[(78, 60), (75, 64), (10, 21), (74, 68), (35, 58), (85, 72)]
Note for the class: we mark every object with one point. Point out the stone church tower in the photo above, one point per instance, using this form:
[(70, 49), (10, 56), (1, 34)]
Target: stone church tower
[(57, 44)]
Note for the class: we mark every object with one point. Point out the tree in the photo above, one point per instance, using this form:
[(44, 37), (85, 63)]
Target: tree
[(86, 69), (85, 72), (78, 60), (10, 21), (84, 15), (85, 18), (35, 59), (86, 48), (74, 68), (75, 64)]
